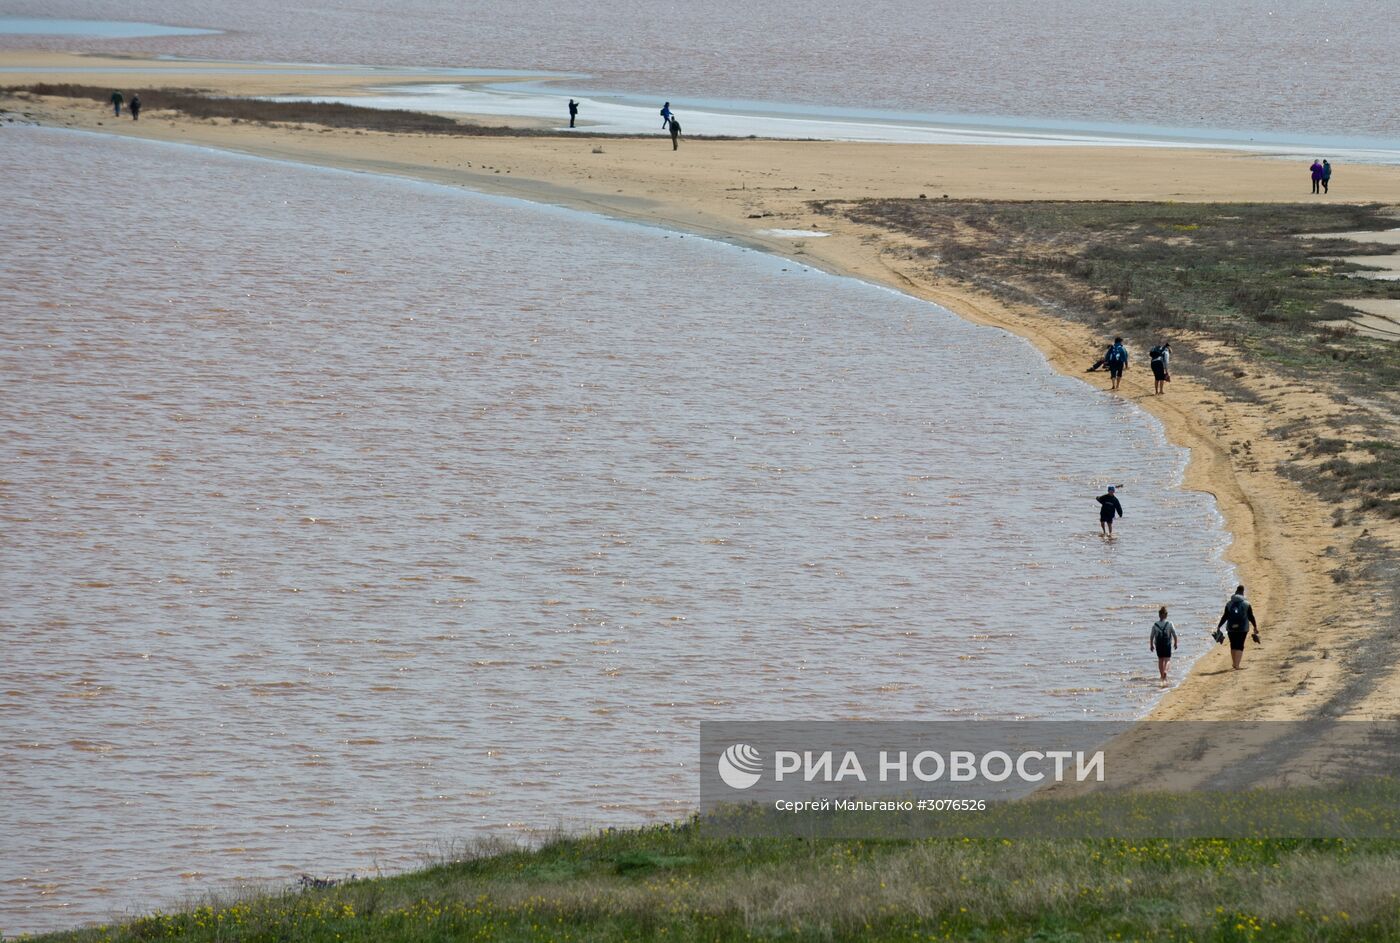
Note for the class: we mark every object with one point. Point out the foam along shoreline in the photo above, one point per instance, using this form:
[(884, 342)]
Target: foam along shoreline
[(622, 114)]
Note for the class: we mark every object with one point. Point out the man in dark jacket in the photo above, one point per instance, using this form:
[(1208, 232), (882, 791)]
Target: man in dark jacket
[(1237, 619), (1108, 508)]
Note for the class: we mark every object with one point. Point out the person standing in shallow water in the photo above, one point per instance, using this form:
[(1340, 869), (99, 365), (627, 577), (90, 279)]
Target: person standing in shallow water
[(135, 107), (116, 101), (1237, 618), (1316, 169), (1108, 508), (675, 133), (1162, 640), (1326, 175), (573, 111)]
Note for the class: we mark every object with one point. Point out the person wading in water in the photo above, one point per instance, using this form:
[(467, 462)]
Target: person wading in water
[(1162, 640), (1108, 507)]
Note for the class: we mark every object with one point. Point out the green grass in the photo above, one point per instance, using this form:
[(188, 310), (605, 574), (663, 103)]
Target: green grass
[(678, 883)]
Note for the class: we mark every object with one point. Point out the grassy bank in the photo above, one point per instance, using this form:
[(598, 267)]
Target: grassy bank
[(1229, 284), (676, 883)]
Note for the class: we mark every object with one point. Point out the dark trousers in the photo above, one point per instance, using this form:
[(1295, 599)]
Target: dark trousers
[(1317, 185)]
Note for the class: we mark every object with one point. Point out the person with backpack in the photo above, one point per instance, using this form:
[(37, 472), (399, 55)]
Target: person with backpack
[(1237, 619), (1162, 640), (665, 116), (1161, 360), (1116, 359), (1108, 507)]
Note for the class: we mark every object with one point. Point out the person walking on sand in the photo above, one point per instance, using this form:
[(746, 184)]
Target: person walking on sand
[(665, 116), (116, 101), (1109, 506), (1316, 169), (573, 111), (1161, 362), (1116, 359), (1237, 618), (1162, 640), (675, 133), (135, 107), (1326, 174)]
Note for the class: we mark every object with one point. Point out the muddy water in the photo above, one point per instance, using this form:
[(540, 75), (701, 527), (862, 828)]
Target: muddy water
[(343, 515)]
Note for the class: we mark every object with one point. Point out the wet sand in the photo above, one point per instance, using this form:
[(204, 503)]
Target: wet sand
[(1285, 543)]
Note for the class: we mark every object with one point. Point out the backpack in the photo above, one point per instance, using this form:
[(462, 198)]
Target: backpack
[(1156, 352), (1237, 612), (1117, 355), (1161, 634)]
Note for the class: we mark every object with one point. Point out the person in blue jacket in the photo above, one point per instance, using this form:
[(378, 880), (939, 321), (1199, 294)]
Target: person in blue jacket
[(1116, 359)]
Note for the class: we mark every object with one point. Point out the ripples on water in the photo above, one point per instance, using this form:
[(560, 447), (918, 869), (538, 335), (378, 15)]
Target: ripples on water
[(346, 514), (1283, 65)]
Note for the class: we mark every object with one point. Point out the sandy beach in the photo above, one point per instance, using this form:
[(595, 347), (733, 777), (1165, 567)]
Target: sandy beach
[(1286, 543)]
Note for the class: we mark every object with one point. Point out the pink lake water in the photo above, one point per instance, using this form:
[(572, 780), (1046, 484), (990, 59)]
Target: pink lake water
[(1295, 67), (345, 515)]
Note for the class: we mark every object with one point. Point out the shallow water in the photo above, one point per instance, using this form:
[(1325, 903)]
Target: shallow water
[(90, 29), (1294, 66), (344, 515)]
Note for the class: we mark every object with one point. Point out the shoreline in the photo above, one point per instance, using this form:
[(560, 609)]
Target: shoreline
[(1278, 530)]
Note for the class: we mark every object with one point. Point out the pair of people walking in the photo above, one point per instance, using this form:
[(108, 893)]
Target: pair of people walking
[(134, 108), (1321, 175), (1238, 620), (668, 121), (1115, 360)]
